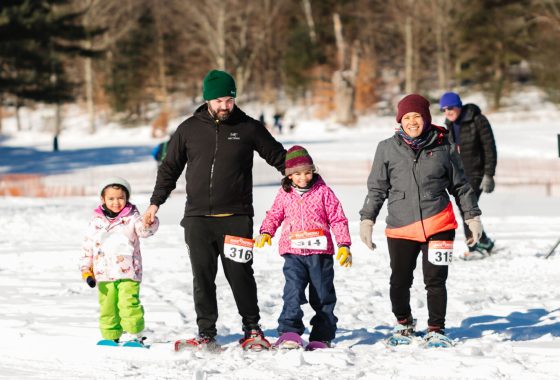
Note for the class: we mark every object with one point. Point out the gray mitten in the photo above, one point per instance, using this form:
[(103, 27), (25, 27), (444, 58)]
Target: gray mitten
[(487, 184), (475, 225), (366, 232)]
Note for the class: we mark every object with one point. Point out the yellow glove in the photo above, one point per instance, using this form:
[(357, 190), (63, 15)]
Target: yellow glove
[(86, 274), (344, 256), (90, 279), (261, 239)]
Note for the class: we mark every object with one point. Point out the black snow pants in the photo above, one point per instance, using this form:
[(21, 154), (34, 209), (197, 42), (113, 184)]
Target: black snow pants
[(403, 254), (205, 243)]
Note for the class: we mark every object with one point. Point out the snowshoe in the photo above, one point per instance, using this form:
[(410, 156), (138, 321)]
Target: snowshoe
[(479, 251), (135, 343), (139, 343), (200, 342), (437, 339), (473, 255), (132, 340), (254, 340), (317, 345), (403, 333), (108, 342), (485, 246), (289, 341)]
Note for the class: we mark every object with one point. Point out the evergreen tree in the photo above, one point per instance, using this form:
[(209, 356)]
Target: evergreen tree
[(545, 48), (133, 67), (37, 37), (300, 56), (494, 36)]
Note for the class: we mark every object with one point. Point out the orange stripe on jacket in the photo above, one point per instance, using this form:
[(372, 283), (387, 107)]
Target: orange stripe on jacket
[(418, 231)]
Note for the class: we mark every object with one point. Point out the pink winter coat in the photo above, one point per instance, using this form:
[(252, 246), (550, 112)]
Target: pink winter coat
[(111, 248), (316, 209)]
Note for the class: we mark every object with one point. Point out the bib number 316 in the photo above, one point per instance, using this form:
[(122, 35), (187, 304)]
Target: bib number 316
[(238, 249), (440, 252)]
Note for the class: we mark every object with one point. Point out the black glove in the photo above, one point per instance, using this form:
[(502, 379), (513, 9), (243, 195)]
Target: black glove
[(91, 281)]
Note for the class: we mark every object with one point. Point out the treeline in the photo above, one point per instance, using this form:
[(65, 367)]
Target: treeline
[(346, 56)]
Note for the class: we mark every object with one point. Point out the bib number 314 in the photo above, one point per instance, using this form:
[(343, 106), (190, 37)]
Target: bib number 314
[(238, 249), (313, 239), (440, 252)]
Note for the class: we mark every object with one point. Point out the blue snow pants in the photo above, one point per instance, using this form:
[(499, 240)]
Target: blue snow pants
[(317, 272)]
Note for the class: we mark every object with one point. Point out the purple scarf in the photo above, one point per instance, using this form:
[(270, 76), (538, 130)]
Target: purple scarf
[(416, 143)]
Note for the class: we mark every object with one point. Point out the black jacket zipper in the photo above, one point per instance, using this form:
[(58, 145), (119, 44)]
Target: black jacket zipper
[(212, 167)]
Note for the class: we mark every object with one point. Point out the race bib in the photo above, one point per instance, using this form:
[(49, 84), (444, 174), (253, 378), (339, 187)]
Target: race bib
[(440, 252), (314, 239), (238, 249)]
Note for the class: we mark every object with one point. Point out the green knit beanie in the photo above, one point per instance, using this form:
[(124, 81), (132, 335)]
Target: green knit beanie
[(217, 84)]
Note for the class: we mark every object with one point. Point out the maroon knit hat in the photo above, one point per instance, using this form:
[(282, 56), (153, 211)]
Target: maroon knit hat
[(297, 159), (414, 103)]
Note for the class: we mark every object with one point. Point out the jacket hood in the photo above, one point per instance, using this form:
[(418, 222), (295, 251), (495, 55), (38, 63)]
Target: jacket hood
[(437, 134)]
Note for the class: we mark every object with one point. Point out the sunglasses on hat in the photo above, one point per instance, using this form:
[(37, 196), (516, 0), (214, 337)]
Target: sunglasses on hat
[(449, 108)]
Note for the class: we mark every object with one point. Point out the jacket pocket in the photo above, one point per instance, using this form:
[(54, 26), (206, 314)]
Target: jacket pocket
[(395, 195)]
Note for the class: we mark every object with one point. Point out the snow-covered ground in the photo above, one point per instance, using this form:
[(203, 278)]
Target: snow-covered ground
[(503, 312)]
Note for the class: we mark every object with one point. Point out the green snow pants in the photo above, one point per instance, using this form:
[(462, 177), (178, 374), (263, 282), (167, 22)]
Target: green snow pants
[(119, 308)]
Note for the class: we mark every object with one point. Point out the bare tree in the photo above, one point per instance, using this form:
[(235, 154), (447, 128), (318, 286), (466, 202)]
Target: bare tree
[(236, 45), (442, 11), (344, 79), (410, 86), (118, 20), (309, 19)]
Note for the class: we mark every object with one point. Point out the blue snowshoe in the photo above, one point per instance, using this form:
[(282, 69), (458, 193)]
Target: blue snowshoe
[(437, 339), (403, 333)]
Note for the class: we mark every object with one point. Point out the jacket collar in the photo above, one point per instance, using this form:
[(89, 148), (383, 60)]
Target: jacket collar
[(127, 210), (468, 113), (236, 116), (318, 183)]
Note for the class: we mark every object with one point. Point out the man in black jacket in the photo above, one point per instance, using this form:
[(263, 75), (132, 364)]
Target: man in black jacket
[(471, 132), (217, 145)]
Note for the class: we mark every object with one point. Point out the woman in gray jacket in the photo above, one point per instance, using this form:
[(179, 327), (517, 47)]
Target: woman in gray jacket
[(416, 170)]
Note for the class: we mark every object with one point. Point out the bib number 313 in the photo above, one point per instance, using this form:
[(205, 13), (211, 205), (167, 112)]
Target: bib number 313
[(238, 249), (440, 252)]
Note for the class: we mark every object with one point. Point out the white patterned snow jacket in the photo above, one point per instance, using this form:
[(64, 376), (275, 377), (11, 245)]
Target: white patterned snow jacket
[(111, 247)]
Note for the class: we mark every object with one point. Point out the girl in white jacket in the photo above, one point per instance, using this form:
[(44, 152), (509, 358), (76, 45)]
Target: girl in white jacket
[(111, 259)]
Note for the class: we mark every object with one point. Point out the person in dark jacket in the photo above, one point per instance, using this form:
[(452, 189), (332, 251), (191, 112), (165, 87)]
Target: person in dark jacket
[(217, 145), (160, 151), (416, 170), (472, 133)]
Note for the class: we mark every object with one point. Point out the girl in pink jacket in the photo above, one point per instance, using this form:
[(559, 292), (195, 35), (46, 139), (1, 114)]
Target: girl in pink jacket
[(309, 210), (111, 259)]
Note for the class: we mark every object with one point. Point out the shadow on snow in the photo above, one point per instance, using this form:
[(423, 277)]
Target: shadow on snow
[(519, 326)]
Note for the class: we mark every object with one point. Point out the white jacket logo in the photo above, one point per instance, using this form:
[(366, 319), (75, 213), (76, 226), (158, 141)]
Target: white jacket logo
[(233, 136)]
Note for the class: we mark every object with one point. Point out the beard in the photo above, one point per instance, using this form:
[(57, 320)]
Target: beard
[(221, 115)]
